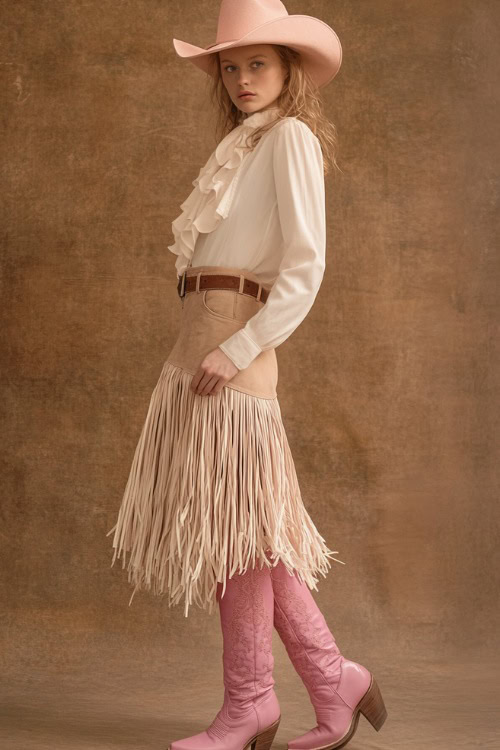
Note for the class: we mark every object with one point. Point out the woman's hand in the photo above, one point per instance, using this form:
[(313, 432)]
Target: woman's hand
[(214, 371)]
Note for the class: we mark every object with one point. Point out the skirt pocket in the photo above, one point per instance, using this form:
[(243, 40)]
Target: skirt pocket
[(220, 302), (229, 304)]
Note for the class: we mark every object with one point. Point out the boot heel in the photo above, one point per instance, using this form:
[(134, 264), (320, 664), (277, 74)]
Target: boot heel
[(264, 740), (372, 706)]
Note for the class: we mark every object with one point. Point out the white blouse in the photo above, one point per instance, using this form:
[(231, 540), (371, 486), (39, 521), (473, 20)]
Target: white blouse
[(264, 211)]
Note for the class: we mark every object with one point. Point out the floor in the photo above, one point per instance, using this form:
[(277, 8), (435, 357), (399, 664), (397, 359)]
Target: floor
[(95, 703)]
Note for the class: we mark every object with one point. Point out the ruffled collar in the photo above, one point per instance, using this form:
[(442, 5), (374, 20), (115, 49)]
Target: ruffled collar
[(214, 189), (257, 119)]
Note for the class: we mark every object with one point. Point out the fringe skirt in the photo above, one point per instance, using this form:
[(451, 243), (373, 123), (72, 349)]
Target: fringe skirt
[(212, 489)]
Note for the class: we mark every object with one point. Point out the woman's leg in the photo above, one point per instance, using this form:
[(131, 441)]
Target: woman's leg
[(250, 710), (339, 688)]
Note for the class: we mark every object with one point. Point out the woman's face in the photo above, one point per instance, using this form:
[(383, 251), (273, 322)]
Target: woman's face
[(256, 68)]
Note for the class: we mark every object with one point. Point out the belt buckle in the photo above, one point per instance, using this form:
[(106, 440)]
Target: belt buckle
[(181, 287)]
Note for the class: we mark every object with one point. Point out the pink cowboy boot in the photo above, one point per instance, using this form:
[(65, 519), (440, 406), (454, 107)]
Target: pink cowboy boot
[(339, 688), (250, 715)]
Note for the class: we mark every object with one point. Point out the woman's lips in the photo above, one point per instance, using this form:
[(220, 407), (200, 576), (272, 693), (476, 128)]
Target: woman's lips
[(246, 96)]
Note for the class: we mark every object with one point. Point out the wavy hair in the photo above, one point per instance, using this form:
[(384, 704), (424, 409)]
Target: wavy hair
[(299, 98)]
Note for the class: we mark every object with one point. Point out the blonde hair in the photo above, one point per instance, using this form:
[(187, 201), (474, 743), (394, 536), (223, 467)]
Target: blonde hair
[(299, 98)]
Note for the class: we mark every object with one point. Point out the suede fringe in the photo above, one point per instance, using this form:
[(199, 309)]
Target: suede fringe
[(180, 518)]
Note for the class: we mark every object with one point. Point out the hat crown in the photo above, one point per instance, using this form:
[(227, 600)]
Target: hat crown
[(238, 17)]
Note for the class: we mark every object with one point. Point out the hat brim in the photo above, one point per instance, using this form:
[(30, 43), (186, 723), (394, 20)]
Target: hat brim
[(317, 43)]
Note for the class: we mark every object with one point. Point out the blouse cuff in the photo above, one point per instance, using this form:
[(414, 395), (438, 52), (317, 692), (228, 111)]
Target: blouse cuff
[(240, 349)]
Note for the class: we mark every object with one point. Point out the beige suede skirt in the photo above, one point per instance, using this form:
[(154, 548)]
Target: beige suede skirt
[(212, 489)]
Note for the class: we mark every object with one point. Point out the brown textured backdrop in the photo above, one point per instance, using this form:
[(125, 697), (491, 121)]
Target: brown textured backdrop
[(389, 389)]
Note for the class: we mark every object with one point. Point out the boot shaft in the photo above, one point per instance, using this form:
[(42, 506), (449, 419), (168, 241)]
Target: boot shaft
[(246, 616)]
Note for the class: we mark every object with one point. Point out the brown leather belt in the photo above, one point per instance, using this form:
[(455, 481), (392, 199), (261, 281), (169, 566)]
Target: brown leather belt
[(220, 281)]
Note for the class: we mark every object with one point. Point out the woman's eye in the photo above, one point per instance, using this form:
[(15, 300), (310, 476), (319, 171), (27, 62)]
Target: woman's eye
[(256, 62)]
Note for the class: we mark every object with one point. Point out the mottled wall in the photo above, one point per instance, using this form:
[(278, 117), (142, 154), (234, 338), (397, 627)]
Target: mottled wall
[(389, 389)]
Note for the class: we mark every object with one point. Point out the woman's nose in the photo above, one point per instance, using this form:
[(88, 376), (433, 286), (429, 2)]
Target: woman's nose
[(243, 77)]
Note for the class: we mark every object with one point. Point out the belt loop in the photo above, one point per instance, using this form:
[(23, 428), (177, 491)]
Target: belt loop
[(198, 275), (258, 293), (242, 281)]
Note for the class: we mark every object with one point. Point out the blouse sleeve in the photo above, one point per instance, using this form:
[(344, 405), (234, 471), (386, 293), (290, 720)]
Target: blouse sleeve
[(300, 191)]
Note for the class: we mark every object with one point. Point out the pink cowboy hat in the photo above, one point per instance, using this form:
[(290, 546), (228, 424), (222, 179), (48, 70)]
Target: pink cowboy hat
[(244, 22)]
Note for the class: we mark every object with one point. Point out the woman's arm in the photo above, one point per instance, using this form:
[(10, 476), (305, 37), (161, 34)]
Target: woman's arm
[(300, 189)]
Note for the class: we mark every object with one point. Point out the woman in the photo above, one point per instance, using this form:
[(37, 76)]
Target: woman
[(212, 509)]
